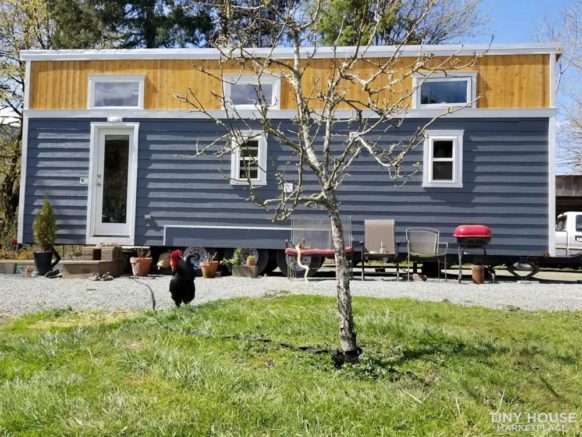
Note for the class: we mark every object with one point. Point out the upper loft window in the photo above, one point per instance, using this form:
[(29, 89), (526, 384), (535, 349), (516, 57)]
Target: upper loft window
[(243, 91), (444, 90), (119, 91), (443, 159), (249, 159)]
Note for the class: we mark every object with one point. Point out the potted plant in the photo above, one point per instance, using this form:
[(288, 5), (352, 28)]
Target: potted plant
[(45, 233), (141, 264), (236, 265), (209, 266), (251, 261)]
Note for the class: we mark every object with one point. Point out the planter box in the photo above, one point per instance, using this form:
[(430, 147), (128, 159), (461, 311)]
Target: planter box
[(244, 271), (83, 269), (8, 267), (111, 253), (91, 253)]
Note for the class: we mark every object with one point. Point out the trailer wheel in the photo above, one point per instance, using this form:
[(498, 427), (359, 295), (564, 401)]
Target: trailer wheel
[(196, 253), (261, 255), (314, 263), (272, 264)]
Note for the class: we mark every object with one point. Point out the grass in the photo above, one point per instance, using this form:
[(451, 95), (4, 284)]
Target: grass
[(428, 369)]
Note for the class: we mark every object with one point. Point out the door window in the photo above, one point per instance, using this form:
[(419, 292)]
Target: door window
[(115, 173)]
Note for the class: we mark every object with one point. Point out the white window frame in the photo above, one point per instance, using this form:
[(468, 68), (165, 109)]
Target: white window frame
[(419, 79), (251, 79), (112, 78), (430, 136), (261, 178)]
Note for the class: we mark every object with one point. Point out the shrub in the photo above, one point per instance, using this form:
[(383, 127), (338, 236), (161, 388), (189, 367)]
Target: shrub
[(45, 226)]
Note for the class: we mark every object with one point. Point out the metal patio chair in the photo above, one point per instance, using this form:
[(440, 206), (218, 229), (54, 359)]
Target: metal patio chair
[(424, 243), (379, 244)]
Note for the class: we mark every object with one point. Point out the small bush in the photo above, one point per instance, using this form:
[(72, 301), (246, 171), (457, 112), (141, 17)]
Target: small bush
[(45, 226)]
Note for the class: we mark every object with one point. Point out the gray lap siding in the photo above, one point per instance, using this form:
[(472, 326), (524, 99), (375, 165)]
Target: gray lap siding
[(505, 182)]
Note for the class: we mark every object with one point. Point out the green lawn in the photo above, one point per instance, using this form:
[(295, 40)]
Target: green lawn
[(428, 369)]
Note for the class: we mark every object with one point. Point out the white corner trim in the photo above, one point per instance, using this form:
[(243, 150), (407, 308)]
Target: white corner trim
[(22, 191), (93, 79), (552, 186), (132, 195), (261, 179), (27, 76), (418, 79), (552, 86), (286, 114), (305, 52), (456, 136)]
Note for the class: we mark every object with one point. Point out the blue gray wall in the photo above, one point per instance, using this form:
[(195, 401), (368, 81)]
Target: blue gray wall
[(505, 183)]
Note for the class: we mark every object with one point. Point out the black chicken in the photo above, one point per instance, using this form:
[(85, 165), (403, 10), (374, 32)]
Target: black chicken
[(182, 284)]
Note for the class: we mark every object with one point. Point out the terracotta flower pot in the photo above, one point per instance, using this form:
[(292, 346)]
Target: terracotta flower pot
[(251, 262), (140, 266), (209, 268), (478, 273)]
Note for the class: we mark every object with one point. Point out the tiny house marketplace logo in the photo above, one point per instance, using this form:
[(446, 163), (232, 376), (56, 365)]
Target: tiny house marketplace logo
[(532, 422)]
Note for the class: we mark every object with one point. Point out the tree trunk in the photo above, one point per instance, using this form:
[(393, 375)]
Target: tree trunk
[(347, 331)]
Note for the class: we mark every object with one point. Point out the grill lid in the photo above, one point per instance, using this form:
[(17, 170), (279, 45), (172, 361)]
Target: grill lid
[(472, 231)]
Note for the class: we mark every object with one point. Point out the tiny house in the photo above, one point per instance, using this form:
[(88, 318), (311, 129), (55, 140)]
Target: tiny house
[(106, 138)]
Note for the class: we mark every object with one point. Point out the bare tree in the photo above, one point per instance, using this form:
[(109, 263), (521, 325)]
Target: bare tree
[(339, 115), (568, 92)]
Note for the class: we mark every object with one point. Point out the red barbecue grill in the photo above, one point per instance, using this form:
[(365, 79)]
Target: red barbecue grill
[(472, 237)]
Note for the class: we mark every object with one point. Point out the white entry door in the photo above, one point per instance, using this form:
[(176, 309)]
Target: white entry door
[(113, 184)]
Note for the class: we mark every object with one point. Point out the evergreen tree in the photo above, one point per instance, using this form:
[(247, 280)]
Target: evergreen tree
[(77, 25), (129, 23), (154, 23)]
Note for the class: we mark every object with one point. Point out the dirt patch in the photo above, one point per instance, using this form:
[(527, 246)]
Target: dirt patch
[(4, 320), (83, 319)]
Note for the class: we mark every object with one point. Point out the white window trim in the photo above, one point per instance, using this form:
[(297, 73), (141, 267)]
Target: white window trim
[(470, 77), (457, 137), (99, 78), (253, 79), (262, 160), (90, 237)]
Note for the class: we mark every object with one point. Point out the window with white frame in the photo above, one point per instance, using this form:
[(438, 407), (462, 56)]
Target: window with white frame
[(249, 159), (444, 90), (443, 159), (116, 91), (243, 91)]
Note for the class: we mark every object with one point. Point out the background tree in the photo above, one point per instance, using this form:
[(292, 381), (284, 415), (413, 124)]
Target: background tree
[(153, 23), (568, 31), (340, 116), (419, 21), (24, 24), (79, 24), (248, 19)]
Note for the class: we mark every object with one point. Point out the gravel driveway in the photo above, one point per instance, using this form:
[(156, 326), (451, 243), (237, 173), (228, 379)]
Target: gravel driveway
[(22, 295)]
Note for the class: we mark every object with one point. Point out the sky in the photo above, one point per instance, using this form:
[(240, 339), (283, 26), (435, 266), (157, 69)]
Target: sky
[(520, 21), (512, 21)]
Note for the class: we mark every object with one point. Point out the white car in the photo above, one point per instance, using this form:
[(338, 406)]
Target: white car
[(569, 234)]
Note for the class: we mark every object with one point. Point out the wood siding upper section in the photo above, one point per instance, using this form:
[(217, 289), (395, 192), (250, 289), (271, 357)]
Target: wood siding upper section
[(503, 81)]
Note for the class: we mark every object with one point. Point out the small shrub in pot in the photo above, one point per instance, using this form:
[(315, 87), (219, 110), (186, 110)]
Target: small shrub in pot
[(45, 233)]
